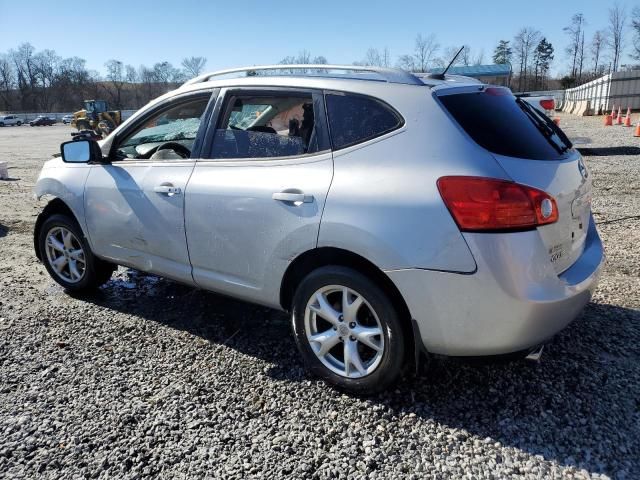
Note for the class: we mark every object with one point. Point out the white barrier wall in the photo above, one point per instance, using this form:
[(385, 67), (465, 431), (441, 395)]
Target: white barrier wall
[(621, 89)]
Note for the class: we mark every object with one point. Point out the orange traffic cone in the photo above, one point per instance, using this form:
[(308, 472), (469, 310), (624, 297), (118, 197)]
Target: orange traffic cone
[(619, 117), (627, 118), (637, 132), (556, 120), (614, 114), (608, 120)]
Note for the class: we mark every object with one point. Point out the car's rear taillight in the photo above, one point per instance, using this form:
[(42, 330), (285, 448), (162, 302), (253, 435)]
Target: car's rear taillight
[(547, 104), (488, 204)]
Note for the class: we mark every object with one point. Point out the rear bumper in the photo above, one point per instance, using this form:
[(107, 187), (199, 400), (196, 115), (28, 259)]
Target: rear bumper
[(514, 300)]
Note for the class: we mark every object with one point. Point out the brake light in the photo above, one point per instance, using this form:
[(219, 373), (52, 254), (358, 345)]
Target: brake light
[(488, 204), (497, 91), (547, 104)]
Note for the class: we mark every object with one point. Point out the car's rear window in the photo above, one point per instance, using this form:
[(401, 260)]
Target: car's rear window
[(503, 125)]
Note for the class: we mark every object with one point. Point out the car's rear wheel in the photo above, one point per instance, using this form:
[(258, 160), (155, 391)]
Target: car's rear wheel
[(67, 257), (347, 330)]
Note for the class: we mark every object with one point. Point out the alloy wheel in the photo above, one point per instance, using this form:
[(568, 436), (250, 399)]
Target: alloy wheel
[(65, 254), (344, 331)]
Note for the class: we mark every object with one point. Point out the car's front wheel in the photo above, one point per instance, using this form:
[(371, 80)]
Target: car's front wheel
[(19, 123), (347, 330), (67, 257)]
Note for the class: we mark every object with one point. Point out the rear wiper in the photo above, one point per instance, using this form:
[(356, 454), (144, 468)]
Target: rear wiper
[(544, 128), (554, 128)]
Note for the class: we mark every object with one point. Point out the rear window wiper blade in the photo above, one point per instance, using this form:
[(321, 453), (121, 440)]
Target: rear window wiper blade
[(550, 125), (544, 128)]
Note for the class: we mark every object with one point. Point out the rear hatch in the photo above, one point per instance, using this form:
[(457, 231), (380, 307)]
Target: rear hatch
[(533, 151)]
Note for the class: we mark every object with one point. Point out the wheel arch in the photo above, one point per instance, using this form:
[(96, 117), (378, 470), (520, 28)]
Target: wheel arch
[(310, 260), (55, 206)]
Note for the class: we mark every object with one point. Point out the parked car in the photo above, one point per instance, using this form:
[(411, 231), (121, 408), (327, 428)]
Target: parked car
[(543, 103), (7, 120), (389, 215), (42, 120), (66, 119)]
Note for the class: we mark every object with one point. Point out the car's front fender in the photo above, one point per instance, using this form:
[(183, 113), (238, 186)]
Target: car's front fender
[(65, 182)]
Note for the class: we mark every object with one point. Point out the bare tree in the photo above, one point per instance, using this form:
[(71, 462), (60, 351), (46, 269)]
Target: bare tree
[(165, 73), (377, 58), (465, 56), (406, 62), (147, 78), (193, 66), (576, 42), (635, 25), (117, 77), (425, 52), (46, 64), (7, 81), (617, 21), (25, 69), (597, 44), (303, 58), (479, 58), (524, 44), (131, 75), (447, 55)]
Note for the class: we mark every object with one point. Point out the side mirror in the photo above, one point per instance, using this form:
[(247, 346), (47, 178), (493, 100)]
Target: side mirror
[(81, 151)]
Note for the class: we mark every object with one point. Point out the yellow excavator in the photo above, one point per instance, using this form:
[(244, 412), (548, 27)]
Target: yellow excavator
[(96, 117)]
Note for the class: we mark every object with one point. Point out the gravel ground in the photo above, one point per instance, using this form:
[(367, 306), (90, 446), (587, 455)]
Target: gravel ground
[(151, 378)]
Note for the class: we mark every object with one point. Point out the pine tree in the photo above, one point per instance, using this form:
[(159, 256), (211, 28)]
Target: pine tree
[(502, 53), (542, 62)]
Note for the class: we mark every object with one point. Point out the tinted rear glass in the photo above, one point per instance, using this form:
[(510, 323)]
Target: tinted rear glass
[(505, 126), (356, 118)]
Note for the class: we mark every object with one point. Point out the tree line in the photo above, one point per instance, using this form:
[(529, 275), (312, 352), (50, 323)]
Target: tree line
[(33, 80)]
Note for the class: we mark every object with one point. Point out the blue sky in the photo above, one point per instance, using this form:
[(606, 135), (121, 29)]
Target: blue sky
[(256, 32)]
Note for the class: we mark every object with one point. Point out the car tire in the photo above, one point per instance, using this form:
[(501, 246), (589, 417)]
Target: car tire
[(1, 124), (19, 123), (375, 360), (68, 258)]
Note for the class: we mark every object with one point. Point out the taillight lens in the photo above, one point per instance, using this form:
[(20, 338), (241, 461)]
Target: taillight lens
[(488, 204), (547, 104)]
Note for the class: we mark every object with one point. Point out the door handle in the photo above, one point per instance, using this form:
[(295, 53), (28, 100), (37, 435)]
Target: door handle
[(167, 189), (292, 197)]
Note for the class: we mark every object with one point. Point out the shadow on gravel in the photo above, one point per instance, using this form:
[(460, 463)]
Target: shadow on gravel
[(608, 151), (579, 406), (3, 230)]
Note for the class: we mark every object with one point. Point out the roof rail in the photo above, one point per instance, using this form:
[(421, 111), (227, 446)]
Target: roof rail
[(391, 75)]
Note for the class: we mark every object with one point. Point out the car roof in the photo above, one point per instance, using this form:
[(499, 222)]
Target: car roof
[(353, 78)]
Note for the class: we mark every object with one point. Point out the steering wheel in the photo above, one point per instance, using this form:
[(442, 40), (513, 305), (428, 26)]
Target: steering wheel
[(180, 149)]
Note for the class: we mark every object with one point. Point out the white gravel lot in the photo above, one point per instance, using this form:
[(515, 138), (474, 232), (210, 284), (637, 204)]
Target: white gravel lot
[(148, 378)]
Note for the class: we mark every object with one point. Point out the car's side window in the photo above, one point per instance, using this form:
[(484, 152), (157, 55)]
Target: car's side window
[(266, 125), (167, 135), (358, 118)]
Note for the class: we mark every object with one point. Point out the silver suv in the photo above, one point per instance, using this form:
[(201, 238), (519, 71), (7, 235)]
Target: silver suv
[(6, 120), (390, 214)]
